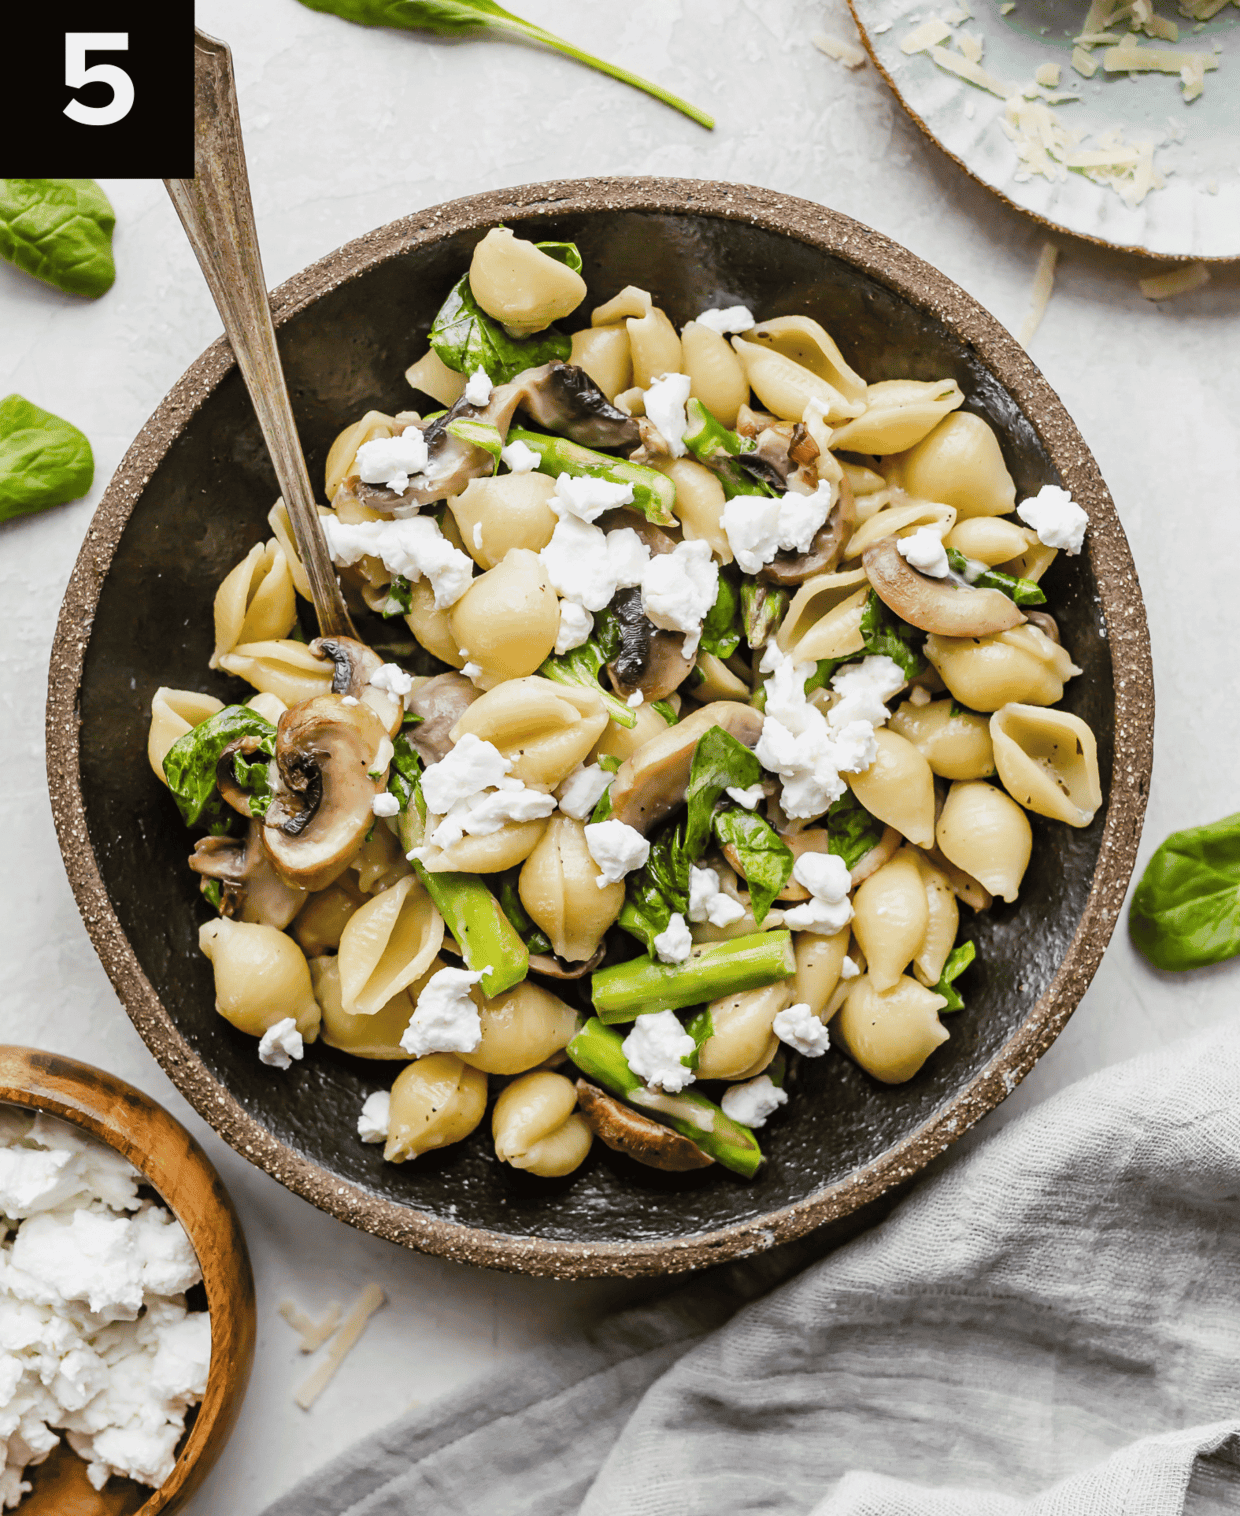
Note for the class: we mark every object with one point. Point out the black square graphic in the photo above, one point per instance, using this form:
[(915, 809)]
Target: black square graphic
[(106, 90)]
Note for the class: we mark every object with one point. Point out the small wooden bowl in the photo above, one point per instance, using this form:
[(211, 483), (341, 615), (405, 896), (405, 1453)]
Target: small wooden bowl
[(172, 1163)]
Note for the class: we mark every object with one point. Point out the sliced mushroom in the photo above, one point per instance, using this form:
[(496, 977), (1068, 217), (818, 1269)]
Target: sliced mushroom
[(825, 551), (750, 423), (441, 702), (654, 537), (323, 800), (949, 607), (251, 888), (649, 660), (226, 775), (626, 1131), (555, 968), (564, 399), (354, 665), (652, 783), (1044, 622)]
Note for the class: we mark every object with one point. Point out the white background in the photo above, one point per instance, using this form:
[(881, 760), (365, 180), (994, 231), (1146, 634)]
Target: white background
[(347, 128)]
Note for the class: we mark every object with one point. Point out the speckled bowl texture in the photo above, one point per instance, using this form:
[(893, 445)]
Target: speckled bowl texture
[(191, 497)]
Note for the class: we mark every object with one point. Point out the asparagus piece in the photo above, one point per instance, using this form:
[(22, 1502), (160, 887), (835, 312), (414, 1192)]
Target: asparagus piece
[(597, 1051), (1022, 591), (713, 444), (627, 990), (487, 938), (763, 607), (653, 493)]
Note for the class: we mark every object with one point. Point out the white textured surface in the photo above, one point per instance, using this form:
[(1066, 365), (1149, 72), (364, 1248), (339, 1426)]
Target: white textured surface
[(347, 129)]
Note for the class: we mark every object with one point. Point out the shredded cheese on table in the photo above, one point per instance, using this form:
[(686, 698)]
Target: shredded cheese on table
[(313, 1333), (922, 38), (1180, 281), (350, 1330), (847, 53), (1040, 295), (955, 63)]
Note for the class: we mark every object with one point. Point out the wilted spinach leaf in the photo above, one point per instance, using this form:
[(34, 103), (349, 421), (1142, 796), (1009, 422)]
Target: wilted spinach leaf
[(252, 774), (190, 763), (699, 1027), (566, 253), (960, 957), (43, 460), (466, 338), (720, 762), (658, 888), (884, 633), (1185, 913), (721, 630), (765, 858), (851, 831), (59, 230), (405, 773)]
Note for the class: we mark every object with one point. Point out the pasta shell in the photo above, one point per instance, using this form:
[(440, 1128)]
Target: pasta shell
[(816, 598), (433, 377), (898, 788), (436, 1101), (741, 1031), (545, 728), (430, 625), (807, 343), (900, 521), (954, 742), (898, 414), (715, 373), (507, 620), (521, 1028), (837, 634), (492, 854), (376, 1036), (819, 962), (282, 530), (603, 352), (890, 917), (534, 1126), (517, 283), (261, 977), (699, 503), (1020, 666), (506, 511), (173, 713), (1033, 561), (1048, 761), (559, 888), (342, 454), (943, 923), (322, 919), (622, 742), (785, 388), (256, 602), (987, 835), (380, 862), (961, 464), (988, 539), (387, 945), (286, 669), (890, 1035)]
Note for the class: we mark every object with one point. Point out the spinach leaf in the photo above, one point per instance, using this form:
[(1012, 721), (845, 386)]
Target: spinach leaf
[(851, 831), (960, 957), (665, 709), (213, 890), (466, 338), (713, 445), (1185, 913), (469, 18), (658, 888), (1022, 591), (884, 632), (405, 773), (59, 230), (400, 598), (765, 858), (252, 774), (699, 1027), (566, 253), (43, 460), (720, 762), (721, 630), (583, 665), (189, 765), (510, 902)]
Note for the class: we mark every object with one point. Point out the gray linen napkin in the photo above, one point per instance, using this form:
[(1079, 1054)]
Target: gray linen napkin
[(1050, 1327)]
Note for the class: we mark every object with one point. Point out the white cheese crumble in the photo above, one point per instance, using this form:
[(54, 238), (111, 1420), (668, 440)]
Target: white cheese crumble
[(665, 402), (349, 700), (757, 528), (674, 943), (390, 460), (1057, 519), (281, 1044), (849, 969), (478, 388), (583, 789), (472, 671), (586, 497), (828, 910), (749, 798), (375, 1117), (752, 1102), (924, 551), (445, 1019), (413, 547), (576, 624), (484, 813), (471, 765), (802, 1030), (707, 902), (617, 849), (392, 678), (385, 804), (90, 1342), (520, 458), (655, 1048), (732, 318), (587, 565), (679, 588)]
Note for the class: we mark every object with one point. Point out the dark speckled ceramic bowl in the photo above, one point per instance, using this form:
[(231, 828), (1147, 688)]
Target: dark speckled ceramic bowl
[(192, 496)]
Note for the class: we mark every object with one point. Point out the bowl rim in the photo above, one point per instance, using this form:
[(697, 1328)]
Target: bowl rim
[(176, 1167), (927, 289)]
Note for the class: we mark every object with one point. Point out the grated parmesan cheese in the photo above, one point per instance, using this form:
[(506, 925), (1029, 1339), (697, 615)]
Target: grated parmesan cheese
[(1180, 281), (972, 73), (1007, 7), (350, 1330), (1084, 63), (847, 53), (313, 1333), (922, 38), (1047, 74), (1131, 57), (1040, 295), (971, 46)]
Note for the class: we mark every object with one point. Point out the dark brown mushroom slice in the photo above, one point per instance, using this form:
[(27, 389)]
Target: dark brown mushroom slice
[(654, 537), (625, 1130), (551, 967), (1044, 622), (751, 423), (650, 659), (250, 888), (353, 665), (564, 399), (441, 702), (825, 551), (946, 607), (651, 783)]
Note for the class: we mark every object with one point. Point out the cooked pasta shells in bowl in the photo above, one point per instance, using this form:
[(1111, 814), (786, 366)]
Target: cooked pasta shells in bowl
[(729, 791)]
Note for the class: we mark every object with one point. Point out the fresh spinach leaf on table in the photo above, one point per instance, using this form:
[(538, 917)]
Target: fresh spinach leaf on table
[(59, 230), (44, 460), (765, 858), (190, 763), (1185, 912), (465, 338)]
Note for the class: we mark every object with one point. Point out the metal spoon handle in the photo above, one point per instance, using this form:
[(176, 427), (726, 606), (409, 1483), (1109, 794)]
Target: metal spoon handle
[(218, 217)]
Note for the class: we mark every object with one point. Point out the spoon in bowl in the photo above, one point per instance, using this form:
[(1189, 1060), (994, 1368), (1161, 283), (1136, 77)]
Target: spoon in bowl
[(218, 217)]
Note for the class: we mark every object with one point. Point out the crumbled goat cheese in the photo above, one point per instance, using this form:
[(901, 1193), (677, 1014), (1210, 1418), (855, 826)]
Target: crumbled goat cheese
[(924, 551), (707, 902), (520, 458), (587, 565), (748, 798), (826, 877), (392, 678), (802, 1030), (576, 624), (445, 1019), (413, 547), (674, 943), (477, 534), (583, 789), (733, 318), (849, 969), (679, 588), (1056, 517), (478, 388), (385, 804), (281, 1044), (375, 1117), (655, 1050), (919, 695), (89, 1345), (617, 848), (863, 690), (636, 699), (390, 460), (752, 1102), (468, 767), (587, 498), (665, 402), (472, 671), (484, 813), (758, 528), (349, 700)]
